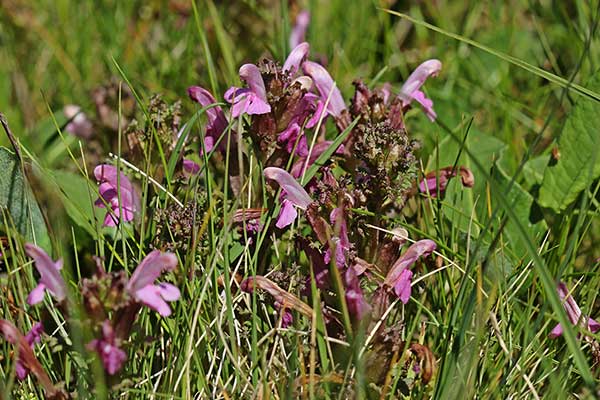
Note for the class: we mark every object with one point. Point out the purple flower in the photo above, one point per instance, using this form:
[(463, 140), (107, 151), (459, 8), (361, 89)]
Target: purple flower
[(399, 276), (298, 33), (141, 284), (110, 353), (289, 137), (217, 123), (250, 100), (190, 167), (573, 313), (355, 299), (342, 243), (326, 88), (111, 188), (34, 336), (26, 343), (50, 278), (293, 195), (296, 58), (442, 177), (79, 124), (411, 89)]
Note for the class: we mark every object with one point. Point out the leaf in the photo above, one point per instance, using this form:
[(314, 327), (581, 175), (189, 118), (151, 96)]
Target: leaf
[(579, 164), (523, 205), (16, 197), (78, 200)]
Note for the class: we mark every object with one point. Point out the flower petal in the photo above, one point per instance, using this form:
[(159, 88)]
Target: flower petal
[(287, 215), (150, 296), (402, 288), (37, 294), (168, 291), (50, 276), (296, 58), (294, 192), (150, 269), (326, 87), (251, 75), (395, 275), (556, 332), (418, 78), (298, 33)]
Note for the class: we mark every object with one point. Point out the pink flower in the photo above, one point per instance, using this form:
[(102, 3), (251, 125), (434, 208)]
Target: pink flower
[(357, 305), (111, 188), (50, 278), (296, 58), (79, 124), (190, 167), (442, 177), (217, 123), (573, 313), (342, 243), (298, 33), (141, 284), (250, 100), (326, 88), (111, 354), (12, 335), (399, 276), (293, 195), (411, 89)]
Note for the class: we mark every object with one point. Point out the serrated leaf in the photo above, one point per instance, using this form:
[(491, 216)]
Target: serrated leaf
[(16, 197), (579, 163)]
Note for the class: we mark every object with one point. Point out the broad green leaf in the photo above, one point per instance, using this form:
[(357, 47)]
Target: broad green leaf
[(579, 164), (523, 205), (533, 170), (78, 199), (16, 198)]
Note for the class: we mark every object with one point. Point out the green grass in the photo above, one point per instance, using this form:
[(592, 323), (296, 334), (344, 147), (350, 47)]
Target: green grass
[(484, 304)]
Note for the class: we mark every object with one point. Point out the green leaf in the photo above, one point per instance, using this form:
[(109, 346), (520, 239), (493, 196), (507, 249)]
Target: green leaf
[(579, 164), (16, 198), (78, 200)]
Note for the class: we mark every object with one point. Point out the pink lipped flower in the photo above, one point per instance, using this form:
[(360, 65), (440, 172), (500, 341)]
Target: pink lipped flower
[(399, 276), (50, 278), (141, 284), (111, 355), (112, 187), (299, 29), (250, 100), (216, 120), (293, 195), (573, 313), (411, 90)]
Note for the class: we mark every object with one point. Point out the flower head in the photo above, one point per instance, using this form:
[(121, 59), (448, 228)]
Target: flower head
[(79, 124), (298, 33), (293, 195), (400, 276), (217, 123), (50, 278), (111, 354), (442, 177), (112, 188), (411, 90), (141, 284), (250, 100), (573, 313), (295, 58), (326, 88)]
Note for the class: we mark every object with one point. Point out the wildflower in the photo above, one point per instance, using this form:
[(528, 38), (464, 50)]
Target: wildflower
[(411, 89), (443, 176), (217, 123), (318, 149), (298, 33), (79, 124), (400, 276), (190, 167), (50, 278), (326, 88), (293, 195), (250, 100), (295, 58), (111, 190), (342, 243), (357, 305), (27, 362), (141, 284), (111, 354), (573, 313)]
